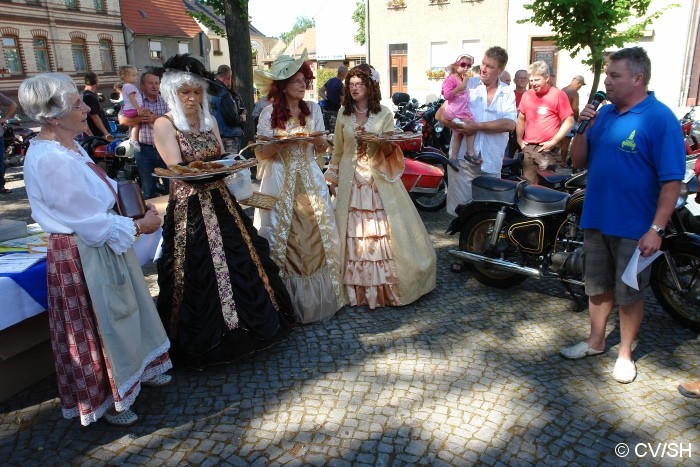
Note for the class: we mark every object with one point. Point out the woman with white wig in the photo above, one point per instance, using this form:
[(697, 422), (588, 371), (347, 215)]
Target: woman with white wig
[(221, 296), (106, 337)]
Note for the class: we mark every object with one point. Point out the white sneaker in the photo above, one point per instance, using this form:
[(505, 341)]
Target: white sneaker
[(625, 371)]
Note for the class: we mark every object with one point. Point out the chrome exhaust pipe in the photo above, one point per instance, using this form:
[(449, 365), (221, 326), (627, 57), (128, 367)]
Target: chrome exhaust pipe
[(501, 264)]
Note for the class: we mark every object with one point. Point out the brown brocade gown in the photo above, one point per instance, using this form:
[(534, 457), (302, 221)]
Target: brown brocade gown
[(221, 296)]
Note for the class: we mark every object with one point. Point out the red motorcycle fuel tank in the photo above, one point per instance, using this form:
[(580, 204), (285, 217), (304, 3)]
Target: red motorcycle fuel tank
[(102, 152), (421, 175)]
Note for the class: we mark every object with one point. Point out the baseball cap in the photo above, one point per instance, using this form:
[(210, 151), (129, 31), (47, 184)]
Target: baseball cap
[(580, 78)]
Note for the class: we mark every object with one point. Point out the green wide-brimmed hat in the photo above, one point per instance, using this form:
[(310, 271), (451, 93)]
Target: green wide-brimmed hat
[(284, 66)]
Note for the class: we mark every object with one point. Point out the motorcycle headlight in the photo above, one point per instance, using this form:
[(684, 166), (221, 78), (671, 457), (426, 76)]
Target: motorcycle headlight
[(438, 127), (418, 128)]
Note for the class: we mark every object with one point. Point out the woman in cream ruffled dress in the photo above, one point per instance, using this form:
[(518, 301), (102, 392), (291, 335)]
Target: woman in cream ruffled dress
[(301, 227), (387, 255)]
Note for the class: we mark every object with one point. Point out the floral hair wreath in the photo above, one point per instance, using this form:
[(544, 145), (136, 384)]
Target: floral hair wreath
[(368, 70)]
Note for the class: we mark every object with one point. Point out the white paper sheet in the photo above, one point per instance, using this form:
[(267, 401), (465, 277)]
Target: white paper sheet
[(18, 262), (636, 265)]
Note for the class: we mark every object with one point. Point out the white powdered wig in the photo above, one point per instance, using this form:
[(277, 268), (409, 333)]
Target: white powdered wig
[(174, 80)]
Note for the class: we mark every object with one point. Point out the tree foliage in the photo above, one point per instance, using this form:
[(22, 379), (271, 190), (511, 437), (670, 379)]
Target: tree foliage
[(593, 25), (358, 16), (235, 13), (300, 25), (323, 75)]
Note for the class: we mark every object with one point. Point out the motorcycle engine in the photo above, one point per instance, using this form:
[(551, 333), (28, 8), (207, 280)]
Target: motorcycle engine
[(567, 261)]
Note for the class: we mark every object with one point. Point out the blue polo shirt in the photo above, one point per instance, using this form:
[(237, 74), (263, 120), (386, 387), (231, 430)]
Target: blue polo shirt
[(630, 156)]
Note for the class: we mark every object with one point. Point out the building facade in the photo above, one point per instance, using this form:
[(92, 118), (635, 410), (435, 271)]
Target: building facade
[(155, 30), (69, 36), (411, 41)]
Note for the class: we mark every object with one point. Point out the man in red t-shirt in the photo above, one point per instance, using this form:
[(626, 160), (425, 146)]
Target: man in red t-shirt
[(544, 118)]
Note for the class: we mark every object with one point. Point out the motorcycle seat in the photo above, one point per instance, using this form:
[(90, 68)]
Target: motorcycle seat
[(494, 184), (542, 194), (485, 189), (538, 201), (552, 178)]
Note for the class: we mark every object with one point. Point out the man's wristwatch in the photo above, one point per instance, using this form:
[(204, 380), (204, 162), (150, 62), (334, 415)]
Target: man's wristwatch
[(659, 231)]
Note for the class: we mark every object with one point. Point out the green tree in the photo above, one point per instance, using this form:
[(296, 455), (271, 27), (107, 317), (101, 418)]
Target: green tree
[(358, 17), (595, 25), (235, 13), (300, 25)]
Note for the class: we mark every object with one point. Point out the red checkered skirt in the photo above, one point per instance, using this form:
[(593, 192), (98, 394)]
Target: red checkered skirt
[(85, 384)]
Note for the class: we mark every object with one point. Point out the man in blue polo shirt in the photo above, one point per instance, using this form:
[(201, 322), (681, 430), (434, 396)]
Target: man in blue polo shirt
[(636, 161)]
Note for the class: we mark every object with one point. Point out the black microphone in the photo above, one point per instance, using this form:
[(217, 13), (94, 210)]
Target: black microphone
[(598, 99)]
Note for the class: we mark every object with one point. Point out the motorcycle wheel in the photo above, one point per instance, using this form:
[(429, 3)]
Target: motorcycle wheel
[(683, 307), (433, 202), (474, 238)]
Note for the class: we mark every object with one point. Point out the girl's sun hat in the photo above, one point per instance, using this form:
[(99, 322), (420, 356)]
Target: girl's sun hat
[(448, 68)]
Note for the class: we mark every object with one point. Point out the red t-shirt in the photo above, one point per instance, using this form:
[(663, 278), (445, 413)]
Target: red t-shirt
[(544, 114), (518, 96)]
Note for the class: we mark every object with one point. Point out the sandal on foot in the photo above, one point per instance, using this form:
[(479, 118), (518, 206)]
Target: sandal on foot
[(157, 381), (580, 350), (457, 268), (125, 418)]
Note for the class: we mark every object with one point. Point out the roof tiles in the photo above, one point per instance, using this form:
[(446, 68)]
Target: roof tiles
[(158, 18)]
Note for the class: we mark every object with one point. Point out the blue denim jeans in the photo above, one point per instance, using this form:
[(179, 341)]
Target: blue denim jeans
[(146, 160)]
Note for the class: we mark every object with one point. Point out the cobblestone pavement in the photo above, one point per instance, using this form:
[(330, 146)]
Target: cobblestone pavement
[(466, 375)]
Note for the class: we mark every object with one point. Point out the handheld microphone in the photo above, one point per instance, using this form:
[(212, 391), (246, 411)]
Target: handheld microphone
[(598, 99)]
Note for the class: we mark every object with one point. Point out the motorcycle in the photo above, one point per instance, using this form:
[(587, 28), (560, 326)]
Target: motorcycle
[(116, 157), (512, 230), (16, 141), (423, 177), (691, 133), (426, 195), (406, 109)]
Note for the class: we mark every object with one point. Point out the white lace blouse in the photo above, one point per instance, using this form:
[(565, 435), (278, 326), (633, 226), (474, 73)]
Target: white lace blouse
[(67, 196)]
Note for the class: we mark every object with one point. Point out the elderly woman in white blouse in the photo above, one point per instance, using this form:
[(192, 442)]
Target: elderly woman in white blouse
[(106, 335)]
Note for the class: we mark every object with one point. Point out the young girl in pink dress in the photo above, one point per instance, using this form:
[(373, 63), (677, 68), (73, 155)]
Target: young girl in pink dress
[(457, 108), (133, 100)]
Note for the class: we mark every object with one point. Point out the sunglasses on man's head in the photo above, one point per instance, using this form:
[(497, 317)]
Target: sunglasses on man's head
[(465, 64)]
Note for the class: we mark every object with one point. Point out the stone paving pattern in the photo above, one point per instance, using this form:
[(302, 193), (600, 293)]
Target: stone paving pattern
[(466, 375)]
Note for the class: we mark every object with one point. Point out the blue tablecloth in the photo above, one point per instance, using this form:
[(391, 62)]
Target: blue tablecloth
[(33, 281), (25, 294)]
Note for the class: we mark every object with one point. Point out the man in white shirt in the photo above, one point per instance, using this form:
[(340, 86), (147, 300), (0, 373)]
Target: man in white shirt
[(492, 103)]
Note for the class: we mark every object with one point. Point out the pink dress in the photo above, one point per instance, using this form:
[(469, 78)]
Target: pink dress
[(370, 271), (128, 109), (458, 105)]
